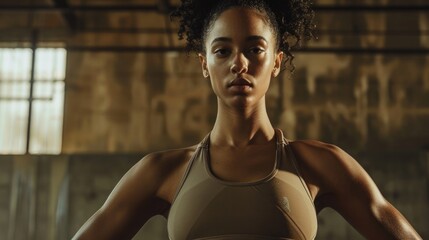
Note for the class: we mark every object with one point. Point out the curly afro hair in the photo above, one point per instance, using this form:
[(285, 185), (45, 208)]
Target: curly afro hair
[(291, 20)]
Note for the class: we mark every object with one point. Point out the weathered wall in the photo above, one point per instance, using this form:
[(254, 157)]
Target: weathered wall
[(128, 102), (122, 102), (33, 190), (5, 191), (50, 197)]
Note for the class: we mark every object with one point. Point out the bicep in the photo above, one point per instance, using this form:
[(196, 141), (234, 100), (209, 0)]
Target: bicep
[(131, 203)]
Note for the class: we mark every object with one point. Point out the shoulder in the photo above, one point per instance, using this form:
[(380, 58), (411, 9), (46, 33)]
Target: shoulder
[(160, 165), (165, 169), (148, 177), (336, 174), (166, 160), (151, 171), (325, 161), (320, 157), (313, 147), (319, 154)]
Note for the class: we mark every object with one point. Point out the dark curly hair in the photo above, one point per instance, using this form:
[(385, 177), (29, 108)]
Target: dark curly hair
[(291, 20)]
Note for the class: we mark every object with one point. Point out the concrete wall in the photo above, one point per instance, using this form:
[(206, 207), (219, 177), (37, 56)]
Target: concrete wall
[(50, 197), (141, 102), (358, 101)]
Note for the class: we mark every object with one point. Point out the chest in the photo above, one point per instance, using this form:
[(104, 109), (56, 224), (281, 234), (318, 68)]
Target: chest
[(242, 165), (274, 207)]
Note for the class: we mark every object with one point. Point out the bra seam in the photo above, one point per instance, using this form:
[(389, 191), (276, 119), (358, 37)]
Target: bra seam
[(290, 153), (283, 211), (186, 174)]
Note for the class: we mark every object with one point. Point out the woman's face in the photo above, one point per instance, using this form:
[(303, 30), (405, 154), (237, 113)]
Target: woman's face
[(241, 57)]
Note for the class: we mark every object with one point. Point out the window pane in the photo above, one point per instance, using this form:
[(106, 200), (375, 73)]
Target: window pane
[(48, 91), (13, 126), (43, 90), (15, 63), (15, 70), (50, 64), (47, 122)]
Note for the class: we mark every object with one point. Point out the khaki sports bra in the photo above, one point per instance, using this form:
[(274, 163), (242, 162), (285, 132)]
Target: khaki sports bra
[(278, 206)]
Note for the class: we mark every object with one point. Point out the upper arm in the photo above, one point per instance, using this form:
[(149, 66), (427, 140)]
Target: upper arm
[(131, 203), (347, 188)]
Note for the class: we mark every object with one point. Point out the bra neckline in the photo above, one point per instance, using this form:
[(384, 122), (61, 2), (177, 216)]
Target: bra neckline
[(206, 159)]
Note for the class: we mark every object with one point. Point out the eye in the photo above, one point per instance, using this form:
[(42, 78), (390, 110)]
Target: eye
[(257, 50), (221, 52)]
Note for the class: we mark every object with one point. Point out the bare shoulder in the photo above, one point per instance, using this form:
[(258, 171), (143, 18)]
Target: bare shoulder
[(332, 172), (150, 179), (163, 162), (315, 148), (320, 158), (169, 167)]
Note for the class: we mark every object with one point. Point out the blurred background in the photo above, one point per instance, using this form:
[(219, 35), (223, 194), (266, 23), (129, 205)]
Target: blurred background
[(88, 87)]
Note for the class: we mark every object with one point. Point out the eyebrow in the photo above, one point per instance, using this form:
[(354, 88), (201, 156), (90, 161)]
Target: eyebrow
[(250, 38)]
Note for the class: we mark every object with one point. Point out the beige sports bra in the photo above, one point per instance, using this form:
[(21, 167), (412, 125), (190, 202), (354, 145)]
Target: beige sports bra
[(278, 206)]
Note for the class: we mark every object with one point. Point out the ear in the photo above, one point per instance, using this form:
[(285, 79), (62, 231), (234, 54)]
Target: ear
[(203, 61), (277, 64)]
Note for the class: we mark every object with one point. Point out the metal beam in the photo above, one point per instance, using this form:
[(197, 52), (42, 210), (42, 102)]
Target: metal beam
[(83, 8), (338, 32), (14, 99), (34, 40), (145, 8), (370, 8), (68, 15), (345, 50), (164, 6)]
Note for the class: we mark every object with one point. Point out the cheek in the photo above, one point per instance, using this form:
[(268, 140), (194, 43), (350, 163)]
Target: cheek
[(263, 66), (218, 69), (217, 76)]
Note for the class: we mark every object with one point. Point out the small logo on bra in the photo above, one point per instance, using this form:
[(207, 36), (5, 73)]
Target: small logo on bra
[(285, 203)]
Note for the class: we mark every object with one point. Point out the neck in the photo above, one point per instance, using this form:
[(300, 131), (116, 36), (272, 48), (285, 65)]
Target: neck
[(242, 127)]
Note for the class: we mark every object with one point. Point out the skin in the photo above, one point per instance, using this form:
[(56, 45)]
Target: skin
[(240, 48)]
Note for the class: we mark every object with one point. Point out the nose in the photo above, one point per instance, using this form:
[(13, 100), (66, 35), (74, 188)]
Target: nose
[(239, 64)]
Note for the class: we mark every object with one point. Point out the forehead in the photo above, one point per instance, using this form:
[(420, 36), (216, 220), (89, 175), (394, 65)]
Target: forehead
[(239, 23)]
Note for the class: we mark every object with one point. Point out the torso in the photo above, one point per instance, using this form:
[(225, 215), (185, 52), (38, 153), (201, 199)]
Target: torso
[(224, 171)]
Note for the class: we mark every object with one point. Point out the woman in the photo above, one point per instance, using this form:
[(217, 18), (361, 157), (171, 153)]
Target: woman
[(245, 180)]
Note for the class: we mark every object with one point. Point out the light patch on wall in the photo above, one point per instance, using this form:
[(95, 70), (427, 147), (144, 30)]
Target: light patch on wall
[(48, 100)]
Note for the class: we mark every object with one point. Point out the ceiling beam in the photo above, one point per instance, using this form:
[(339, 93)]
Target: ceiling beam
[(82, 8), (331, 50), (145, 8), (68, 15), (136, 31), (164, 6)]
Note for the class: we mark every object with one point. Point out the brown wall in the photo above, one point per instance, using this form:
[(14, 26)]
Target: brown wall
[(139, 101)]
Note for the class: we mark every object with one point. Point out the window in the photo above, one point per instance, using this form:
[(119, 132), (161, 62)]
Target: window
[(47, 102)]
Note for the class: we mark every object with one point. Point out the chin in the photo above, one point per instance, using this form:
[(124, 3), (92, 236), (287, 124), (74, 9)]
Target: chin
[(242, 102)]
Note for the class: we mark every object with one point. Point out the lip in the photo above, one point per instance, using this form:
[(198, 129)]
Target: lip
[(240, 81)]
